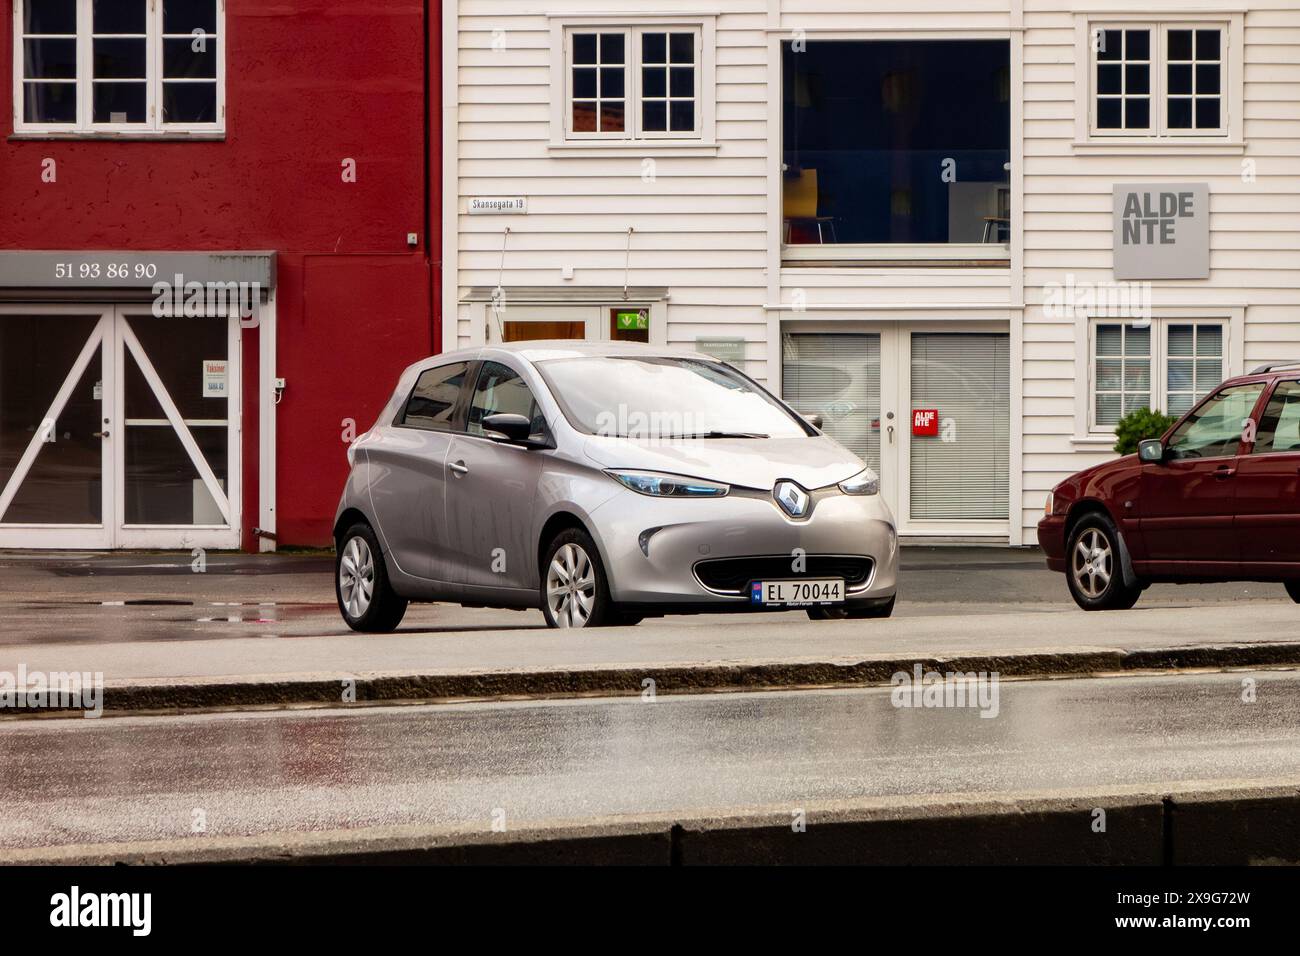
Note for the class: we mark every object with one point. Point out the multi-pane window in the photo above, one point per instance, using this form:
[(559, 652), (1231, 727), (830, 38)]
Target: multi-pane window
[(1194, 67), (119, 66), (667, 82), (1158, 79), (1167, 365), (1123, 80), (626, 83), (1121, 371), (1194, 364), (599, 82)]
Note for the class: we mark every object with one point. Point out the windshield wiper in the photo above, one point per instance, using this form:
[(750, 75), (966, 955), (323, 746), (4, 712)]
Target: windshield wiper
[(717, 434)]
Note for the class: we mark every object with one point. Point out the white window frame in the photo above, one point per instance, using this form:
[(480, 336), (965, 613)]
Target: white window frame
[(1159, 390), (563, 136), (153, 125), (1159, 137)]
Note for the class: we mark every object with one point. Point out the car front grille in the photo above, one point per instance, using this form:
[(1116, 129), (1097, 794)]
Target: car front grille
[(733, 575)]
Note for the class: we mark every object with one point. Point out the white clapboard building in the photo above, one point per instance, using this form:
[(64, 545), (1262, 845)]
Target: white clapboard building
[(971, 234)]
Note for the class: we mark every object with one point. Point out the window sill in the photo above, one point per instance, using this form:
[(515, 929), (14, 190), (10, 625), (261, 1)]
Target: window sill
[(1168, 146), (642, 147), (1094, 442), (213, 137), (815, 255)]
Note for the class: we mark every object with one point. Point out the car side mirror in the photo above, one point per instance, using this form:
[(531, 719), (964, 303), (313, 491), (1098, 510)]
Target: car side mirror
[(508, 427), (814, 420), (1151, 450)]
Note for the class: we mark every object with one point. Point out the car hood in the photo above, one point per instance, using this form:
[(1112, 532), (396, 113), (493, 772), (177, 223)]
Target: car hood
[(1115, 465), (813, 462)]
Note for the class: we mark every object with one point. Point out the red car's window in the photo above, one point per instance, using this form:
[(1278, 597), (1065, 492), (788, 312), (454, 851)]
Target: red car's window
[(1279, 426), (1215, 429)]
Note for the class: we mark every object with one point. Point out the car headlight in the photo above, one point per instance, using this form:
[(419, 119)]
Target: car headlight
[(669, 486), (865, 482)]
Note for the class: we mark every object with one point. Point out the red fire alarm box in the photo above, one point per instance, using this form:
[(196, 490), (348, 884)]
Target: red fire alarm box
[(925, 422)]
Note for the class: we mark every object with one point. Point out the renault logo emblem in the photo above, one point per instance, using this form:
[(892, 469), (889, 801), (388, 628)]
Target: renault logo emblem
[(793, 500)]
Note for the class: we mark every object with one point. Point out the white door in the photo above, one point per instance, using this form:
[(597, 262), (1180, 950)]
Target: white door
[(118, 429)]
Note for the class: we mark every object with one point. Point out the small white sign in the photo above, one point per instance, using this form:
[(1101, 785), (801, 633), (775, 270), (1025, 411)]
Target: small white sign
[(214, 378), (497, 205)]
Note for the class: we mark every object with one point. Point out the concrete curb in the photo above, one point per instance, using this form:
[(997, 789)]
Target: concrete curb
[(1194, 822), (327, 689)]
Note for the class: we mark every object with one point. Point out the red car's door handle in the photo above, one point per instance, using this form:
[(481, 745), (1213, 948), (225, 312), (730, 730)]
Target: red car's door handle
[(1225, 472)]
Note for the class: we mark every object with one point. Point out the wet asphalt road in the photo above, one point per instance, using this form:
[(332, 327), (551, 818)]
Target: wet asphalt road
[(140, 778), (73, 599)]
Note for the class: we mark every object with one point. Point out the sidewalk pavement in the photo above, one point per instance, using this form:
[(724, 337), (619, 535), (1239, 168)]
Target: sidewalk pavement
[(261, 630)]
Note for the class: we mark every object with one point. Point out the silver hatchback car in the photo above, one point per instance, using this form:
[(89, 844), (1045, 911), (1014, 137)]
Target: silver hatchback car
[(603, 483)]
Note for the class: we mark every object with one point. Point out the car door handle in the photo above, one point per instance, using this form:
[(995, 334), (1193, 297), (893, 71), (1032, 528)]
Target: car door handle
[(459, 468), (1225, 472)]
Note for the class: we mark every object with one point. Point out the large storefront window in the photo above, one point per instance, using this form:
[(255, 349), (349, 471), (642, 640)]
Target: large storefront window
[(893, 141)]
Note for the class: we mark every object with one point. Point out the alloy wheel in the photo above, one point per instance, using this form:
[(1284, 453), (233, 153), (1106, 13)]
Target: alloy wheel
[(356, 576), (571, 586), (1093, 563)]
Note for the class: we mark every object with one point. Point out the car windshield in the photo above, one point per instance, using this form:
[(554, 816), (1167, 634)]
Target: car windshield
[(665, 397)]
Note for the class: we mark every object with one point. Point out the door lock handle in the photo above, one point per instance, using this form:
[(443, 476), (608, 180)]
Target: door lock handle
[(891, 434), (459, 467), (101, 434)]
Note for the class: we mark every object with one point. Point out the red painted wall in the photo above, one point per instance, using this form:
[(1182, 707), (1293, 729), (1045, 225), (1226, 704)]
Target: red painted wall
[(309, 83)]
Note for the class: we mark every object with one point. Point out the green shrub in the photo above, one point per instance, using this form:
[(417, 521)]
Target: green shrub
[(1137, 425)]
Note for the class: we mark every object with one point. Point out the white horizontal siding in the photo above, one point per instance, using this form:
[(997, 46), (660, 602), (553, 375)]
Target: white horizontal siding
[(1254, 226), (701, 224)]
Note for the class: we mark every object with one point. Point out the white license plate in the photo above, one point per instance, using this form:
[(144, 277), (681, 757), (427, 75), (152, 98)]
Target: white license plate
[(787, 593)]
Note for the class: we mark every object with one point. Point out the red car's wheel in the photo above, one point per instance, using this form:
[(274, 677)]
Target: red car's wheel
[(1093, 567)]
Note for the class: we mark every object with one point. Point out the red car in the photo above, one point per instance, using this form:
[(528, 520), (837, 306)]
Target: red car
[(1216, 499)]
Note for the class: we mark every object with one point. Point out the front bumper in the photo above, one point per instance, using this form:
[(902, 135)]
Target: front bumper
[(678, 534), (1051, 538)]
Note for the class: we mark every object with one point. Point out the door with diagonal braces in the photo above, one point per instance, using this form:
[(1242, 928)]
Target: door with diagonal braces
[(118, 429)]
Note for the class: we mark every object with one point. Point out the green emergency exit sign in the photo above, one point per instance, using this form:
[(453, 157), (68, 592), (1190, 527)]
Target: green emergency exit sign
[(631, 321)]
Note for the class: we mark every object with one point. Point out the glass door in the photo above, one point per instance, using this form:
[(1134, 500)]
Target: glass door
[(118, 429), (840, 376), (955, 450), (56, 434), (176, 465)]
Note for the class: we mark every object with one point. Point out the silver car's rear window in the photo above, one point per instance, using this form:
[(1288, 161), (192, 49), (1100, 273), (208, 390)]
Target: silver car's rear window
[(665, 397)]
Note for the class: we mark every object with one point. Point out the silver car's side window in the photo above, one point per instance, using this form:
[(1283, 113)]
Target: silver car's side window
[(500, 389), (433, 401)]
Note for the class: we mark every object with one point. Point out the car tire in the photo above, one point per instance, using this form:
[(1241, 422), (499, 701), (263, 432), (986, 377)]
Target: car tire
[(358, 562), (1293, 589), (1092, 567), (835, 612), (574, 588)]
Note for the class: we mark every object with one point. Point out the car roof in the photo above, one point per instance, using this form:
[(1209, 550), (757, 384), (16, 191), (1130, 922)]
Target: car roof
[(544, 349)]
